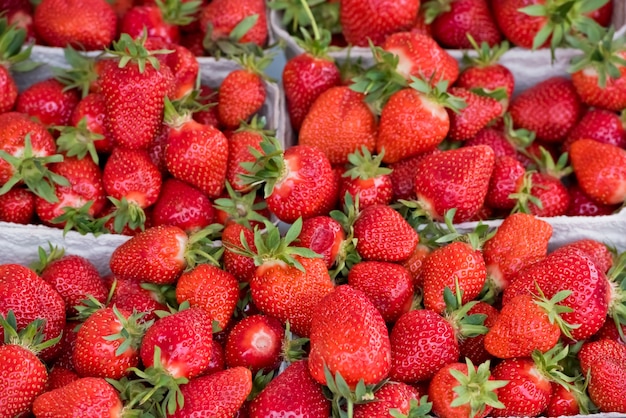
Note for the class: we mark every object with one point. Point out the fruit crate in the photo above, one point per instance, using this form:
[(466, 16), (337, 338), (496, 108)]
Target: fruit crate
[(529, 67)]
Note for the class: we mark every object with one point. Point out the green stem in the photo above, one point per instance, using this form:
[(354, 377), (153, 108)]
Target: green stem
[(307, 9), (350, 408)]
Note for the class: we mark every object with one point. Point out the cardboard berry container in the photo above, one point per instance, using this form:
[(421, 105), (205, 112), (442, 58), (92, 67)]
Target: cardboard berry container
[(529, 67), (20, 242)]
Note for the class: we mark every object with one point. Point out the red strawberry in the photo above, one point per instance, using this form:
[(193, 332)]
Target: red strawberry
[(436, 66), (255, 342), (366, 180), (480, 110), (210, 288), (218, 362), (454, 179), (415, 263), (29, 297), (582, 205), (339, 122), (88, 23), (606, 388), (292, 391), (520, 241), (17, 206), (599, 253), (323, 235), (600, 170), (609, 331), (59, 377), (8, 87), (503, 183), (601, 125), (48, 102), (240, 266), (89, 396), (90, 112), (563, 402), (67, 344), (541, 194), (134, 121), (592, 353), (160, 20), (218, 395), (207, 116), (241, 94), (340, 343), (452, 22), (387, 285), (181, 61), (473, 348), (456, 263), (393, 396), (22, 374), (224, 15), (496, 139), (384, 235), (182, 205), (239, 143), (550, 108), (402, 175), (73, 276)]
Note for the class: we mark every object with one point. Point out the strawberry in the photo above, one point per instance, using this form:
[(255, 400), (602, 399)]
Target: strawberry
[(239, 143), (609, 331), (520, 241), (436, 66), (458, 263), (89, 396), (384, 235), (601, 125), (402, 175), (325, 236), (240, 266), (90, 113), (366, 180), (218, 395), (207, 116), (599, 169), (107, 344), (86, 23), (454, 179), (8, 90), (339, 343), (182, 205), (453, 21), (59, 377), (255, 342), (160, 20), (288, 282), (592, 353), (30, 297), (292, 391), (599, 74), (299, 182), (393, 396), (606, 388), (339, 122), (13, 57), (210, 288), (130, 177), (364, 22), (195, 153), (503, 182), (415, 263), (132, 295), (550, 108), (387, 285), (221, 17), (136, 75), (67, 344), (496, 139), (218, 361), (17, 206), (599, 253), (462, 390), (564, 402), (22, 373), (473, 348), (48, 102), (74, 277), (242, 93), (467, 122)]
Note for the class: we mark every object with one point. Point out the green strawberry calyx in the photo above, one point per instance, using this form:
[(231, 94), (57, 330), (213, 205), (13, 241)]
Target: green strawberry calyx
[(82, 73), (129, 50), (476, 388), (419, 408), (131, 332), (364, 166), (554, 310), (345, 397), (30, 337), (347, 256), (78, 141), (485, 55), (551, 365), (241, 208), (12, 53), (46, 257), (269, 167), (457, 314), (617, 303), (179, 13)]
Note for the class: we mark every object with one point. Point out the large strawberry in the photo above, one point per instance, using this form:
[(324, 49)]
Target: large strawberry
[(138, 76), (602, 361), (454, 179)]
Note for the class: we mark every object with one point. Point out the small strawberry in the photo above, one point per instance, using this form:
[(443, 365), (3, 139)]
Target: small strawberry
[(477, 114), (402, 175), (221, 17), (182, 205), (415, 263), (48, 102), (161, 20), (91, 120), (255, 342), (473, 348), (59, 377), (504, 182), (601, 125), (366, 180), (89, 396), (323, 235), (240, 266), (393, 398), (239, 143), (17, 206)]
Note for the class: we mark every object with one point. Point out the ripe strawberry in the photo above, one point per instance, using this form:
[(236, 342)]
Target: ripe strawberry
[(30, 297), (435, 66), (592, 353), (503, 182), (599, 253), (93, 135), (208, 116), (130, 177), (453, 20), (467, 122), (520, 241), (402, 175), (601, 125), (362, 22), (218, 362), (22, 374), (534, 109), (393, 396), (415, 263), (325, 236), (160, 20), (220, 17), (462, 390), (48, 102), (89, 396), (196, 153), (609, 331), (59, 377), (13, 57), (599, 73), (240, 266), (107, 344), (299, 182), (339, 122), (564, 402), (239, 143), (384, 235), (210, 288), (90, 24), (242, 93), (67, 344), (144, 83), (338, 340), (182, 205), (473, 348), (496, 139), (366, 180), (73, 276), (600, 170), (17, 206), (456, 263), (293, 391), (454, 179), (606, 388), (255, 342), (218, 395), (387, 285), (541, 194)]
